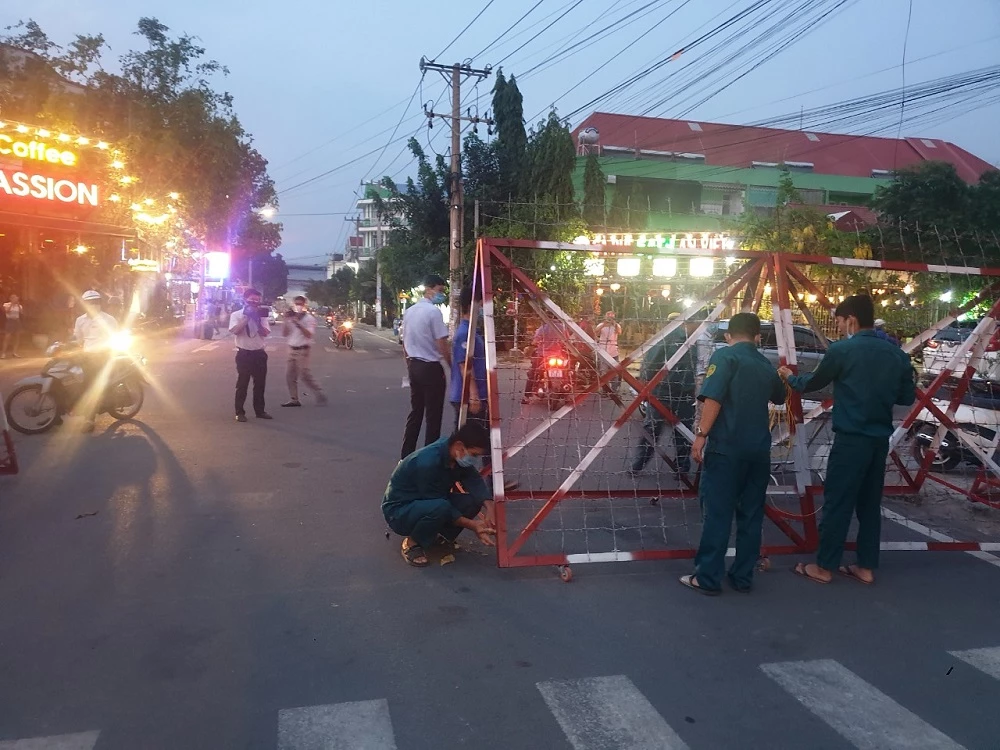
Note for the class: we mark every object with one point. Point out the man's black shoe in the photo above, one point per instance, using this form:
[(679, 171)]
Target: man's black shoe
[(241, 417), (292, 403), (264, 415)]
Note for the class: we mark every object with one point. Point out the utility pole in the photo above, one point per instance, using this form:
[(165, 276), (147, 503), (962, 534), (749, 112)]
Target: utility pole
[(378, 277), (456, 73)]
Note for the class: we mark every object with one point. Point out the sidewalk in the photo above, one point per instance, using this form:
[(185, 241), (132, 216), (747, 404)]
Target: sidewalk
[(385, 333)]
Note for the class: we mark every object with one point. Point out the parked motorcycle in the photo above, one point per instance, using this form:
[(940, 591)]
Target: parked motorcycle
[(343, 336), (38, 402), (977, 419)]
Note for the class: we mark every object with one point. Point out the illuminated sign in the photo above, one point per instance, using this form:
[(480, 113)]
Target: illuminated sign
[(24, 185), (35, 151), (664, 242), (150, 266)]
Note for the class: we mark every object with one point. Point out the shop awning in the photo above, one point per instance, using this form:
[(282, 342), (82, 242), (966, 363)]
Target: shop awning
[(66, 225)]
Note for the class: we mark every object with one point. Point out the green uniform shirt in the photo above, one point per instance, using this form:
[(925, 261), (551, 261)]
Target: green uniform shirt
[(869, 377), (428, 474), (741, 379), (679, 382)]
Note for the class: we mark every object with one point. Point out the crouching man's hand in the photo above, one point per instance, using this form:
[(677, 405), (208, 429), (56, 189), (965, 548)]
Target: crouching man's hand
[(480, 528)]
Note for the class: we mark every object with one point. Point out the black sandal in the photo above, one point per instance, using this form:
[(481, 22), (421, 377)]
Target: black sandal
[(411, 553)]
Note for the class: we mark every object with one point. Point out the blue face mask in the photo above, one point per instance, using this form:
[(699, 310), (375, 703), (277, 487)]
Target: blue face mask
[(480, 313), (468, 461), (438, 298)]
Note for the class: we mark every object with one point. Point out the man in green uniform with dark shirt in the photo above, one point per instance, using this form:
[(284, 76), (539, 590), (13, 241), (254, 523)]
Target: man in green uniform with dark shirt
[(438, 491), (734, 443), (870, 376)]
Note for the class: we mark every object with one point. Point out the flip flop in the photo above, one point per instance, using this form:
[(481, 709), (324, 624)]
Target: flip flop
[(849, 571), (691, 582), (800, 570)]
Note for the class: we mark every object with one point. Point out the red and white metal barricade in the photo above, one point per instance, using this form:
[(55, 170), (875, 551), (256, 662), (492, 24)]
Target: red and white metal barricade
[(795, 518)]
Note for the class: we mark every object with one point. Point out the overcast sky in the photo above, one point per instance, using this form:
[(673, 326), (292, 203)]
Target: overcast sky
[(327, 77)]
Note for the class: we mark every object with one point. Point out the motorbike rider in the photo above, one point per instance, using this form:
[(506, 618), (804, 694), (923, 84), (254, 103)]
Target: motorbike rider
[(548, 339), (92, 331)]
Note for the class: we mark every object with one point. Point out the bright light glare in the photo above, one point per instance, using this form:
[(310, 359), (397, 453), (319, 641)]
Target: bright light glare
[(629, 266), (702, 267), (120, 341), (348, 324), (268, 212), (664, 266), (946, 297), (687, 302)]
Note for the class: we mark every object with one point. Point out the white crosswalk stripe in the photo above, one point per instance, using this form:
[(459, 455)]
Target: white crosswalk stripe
[(362, 725), (205, 348), (607, 713), (610, 713), (79, 741), (984, 659), (863, 715)]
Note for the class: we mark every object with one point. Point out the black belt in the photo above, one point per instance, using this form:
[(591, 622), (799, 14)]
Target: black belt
[(298, 348)]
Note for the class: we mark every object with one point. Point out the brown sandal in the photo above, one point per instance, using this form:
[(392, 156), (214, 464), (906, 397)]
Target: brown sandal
[(800, 570), (851, 571), (412, 553)]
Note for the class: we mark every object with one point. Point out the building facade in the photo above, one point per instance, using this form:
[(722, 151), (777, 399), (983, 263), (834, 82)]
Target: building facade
[(697, 175), (373, 230)]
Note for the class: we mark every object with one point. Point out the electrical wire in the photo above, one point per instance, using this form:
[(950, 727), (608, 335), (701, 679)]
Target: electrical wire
[(510, 28), (902, 101), (467, 27)]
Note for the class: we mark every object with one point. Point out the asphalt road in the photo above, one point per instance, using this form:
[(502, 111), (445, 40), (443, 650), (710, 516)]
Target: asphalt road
[(188, 582)]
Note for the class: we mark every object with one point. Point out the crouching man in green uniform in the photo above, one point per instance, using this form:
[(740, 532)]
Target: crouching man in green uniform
[(438, 491), (869, 375), (735, 422)]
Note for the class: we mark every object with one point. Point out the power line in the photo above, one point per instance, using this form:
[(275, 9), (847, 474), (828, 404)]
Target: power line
[(467, 27), (902, 101), (507, 31)]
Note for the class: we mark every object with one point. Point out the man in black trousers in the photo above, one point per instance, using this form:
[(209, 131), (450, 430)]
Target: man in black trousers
[(250, 329), (425, 344)]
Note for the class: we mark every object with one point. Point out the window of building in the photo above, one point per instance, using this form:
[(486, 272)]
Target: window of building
[(929, 144), (812, 137), (695, 127)]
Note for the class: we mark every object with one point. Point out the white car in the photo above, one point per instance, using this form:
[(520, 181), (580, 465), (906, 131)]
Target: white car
[(938, 352)]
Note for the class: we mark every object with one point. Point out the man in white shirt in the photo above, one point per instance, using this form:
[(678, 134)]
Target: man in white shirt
[(425, 344), (608, 332), (93, 329), (250, 329), (300, 330)]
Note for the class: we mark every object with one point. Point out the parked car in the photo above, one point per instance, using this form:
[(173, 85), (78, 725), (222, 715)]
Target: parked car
[(809, 349), (938, 352)]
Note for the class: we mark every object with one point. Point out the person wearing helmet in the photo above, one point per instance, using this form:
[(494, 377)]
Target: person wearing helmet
[(92, 330), (94, 327), (881, 333)]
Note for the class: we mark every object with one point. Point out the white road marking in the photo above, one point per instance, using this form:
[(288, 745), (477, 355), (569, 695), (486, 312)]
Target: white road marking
[(362, 725), (937, 536), (984, 659), (205, 348), (864, 716), (607, 713), (80, 741)]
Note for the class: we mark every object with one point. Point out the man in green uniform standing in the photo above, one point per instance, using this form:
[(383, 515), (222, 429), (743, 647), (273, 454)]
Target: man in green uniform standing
[(734, 444), (675, 391), (870, 376), (438, 491)]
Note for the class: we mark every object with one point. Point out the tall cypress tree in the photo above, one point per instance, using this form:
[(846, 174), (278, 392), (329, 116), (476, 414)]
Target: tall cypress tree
[(512, 140), (594, 185)]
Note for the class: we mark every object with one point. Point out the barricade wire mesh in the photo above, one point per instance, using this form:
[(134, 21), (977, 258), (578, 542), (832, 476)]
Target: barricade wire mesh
[(599, 439)]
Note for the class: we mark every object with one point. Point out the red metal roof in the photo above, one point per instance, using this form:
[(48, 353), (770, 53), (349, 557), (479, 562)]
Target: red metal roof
[(741, 145)]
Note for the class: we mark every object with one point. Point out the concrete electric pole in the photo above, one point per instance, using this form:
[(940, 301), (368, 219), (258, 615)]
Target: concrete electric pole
[(456, 73)]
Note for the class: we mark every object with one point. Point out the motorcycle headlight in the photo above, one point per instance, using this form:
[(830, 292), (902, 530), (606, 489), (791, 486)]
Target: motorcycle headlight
[(348, 324), (120, 341)]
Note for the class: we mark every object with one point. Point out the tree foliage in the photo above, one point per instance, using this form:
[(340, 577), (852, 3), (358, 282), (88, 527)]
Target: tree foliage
[(180, 133), (594, 197)]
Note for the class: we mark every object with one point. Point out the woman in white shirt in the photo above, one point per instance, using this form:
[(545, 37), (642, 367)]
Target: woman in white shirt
[(13, 312)]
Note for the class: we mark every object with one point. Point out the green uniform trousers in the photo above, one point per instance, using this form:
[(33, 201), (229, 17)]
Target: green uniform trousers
[(731, 486), (855, 476), (424, 520)]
